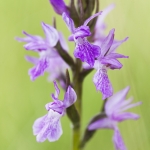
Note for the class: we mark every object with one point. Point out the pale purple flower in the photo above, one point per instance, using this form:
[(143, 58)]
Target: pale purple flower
[(59, 6), (84, 50), (49, 126), (100, 26), (49, 60), (115, 108), (107, 60)]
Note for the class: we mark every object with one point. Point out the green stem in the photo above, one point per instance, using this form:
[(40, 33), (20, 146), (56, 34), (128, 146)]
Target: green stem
[(77, 84), (76, 139)]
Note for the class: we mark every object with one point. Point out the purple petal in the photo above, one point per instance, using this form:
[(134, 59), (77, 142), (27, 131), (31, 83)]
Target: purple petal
[(56, 132), (131, 106), (63, 42), (115, 101), (115, 55), (101, 18), (70, 97), (57, 105), (59, 6), (31, 59), (36, 46), (39, 69), (49, 127), (69, 22), (125, 103), (125, 116), (38, 125), (51, 34), (112, 63), (102, 83), (93, 16), (120, 107), (29, 38), (86, 52), (118, 141), (102, 123), (107, 42), (116, 44)]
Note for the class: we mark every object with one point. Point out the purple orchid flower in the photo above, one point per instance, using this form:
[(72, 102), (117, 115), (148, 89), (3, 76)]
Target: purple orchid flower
[(49, 60), (84, 50), (107, 60), (59, 6), (49, 126), (114, 109)]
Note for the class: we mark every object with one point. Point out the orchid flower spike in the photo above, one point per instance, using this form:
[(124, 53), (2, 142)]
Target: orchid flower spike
[(114, 109), (84, 50), (49, 126)]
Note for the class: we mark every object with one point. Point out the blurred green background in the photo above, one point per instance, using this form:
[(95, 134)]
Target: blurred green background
[(22, 101)]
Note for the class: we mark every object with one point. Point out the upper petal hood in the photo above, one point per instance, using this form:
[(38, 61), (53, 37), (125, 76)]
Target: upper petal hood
[(70, 97)]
